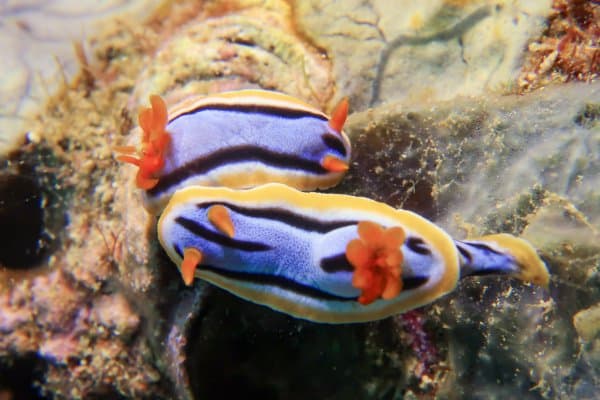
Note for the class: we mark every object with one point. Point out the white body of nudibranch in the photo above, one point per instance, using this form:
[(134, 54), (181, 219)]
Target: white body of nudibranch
[(239, 140), (293, 251)]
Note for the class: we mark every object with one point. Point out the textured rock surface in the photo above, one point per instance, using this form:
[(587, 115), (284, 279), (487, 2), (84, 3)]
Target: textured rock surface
[(528, 165), (483, 154), (36, 38), (476, 167), (254, 45), (421, 51), (568, 49), (105, 314)]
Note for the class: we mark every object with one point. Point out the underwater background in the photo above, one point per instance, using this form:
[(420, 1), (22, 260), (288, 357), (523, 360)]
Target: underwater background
[(483, 116)]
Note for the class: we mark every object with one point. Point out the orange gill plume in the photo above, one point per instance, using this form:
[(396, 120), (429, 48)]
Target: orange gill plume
[(155, 141), (377, 260)]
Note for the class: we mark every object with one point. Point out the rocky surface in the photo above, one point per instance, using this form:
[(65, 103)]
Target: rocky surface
[(422, 51), (98, 311), (37, 40)]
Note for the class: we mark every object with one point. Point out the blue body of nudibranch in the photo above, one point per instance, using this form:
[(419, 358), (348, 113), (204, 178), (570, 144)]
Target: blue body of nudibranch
[(246, 138), (323, 257), (288, 250)]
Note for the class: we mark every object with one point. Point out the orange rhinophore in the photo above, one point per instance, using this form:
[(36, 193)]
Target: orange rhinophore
[(377, 261), (334, 164), (338, 117), (155, 141), (218, 215), (191, 258)]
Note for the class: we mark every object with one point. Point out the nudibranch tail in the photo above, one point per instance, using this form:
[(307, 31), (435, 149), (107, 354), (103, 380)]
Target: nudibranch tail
[(531, 267), (377, 261), (155, 141), (502, 254), (219, 216), (339, 115), (191, 259)]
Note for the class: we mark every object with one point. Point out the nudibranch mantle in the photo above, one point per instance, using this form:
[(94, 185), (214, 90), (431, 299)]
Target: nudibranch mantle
[(246, 138), (288, 250)]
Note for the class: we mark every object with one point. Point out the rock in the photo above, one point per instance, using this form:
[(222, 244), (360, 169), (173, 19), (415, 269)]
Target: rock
[(526, 165), (423, 51), (253, 46), (38, 53), (114, 312), (587, 323)]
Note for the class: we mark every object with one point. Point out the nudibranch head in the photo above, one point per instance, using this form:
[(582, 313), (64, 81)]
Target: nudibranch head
[(155, 142), (377, 260), (240, 140)]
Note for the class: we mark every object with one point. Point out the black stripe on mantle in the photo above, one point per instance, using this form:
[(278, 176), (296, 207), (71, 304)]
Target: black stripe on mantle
[(296, 287), (286, 216), (233, 155), (215, 237), (282, 112)]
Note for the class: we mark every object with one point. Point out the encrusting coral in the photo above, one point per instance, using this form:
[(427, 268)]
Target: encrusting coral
[(568, 50)]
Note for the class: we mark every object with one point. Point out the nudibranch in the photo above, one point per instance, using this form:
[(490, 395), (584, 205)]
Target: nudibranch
[(327, 257), (239, 140)]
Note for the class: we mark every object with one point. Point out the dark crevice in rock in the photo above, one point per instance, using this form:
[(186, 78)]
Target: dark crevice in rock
[(22, 220), (19, 377), (33, 204), (238, 349)]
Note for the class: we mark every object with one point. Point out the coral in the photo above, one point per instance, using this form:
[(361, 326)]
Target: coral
[(115, 313), (240, 44), (79, 337), (587, 323), (568, 49), (63, 311)]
